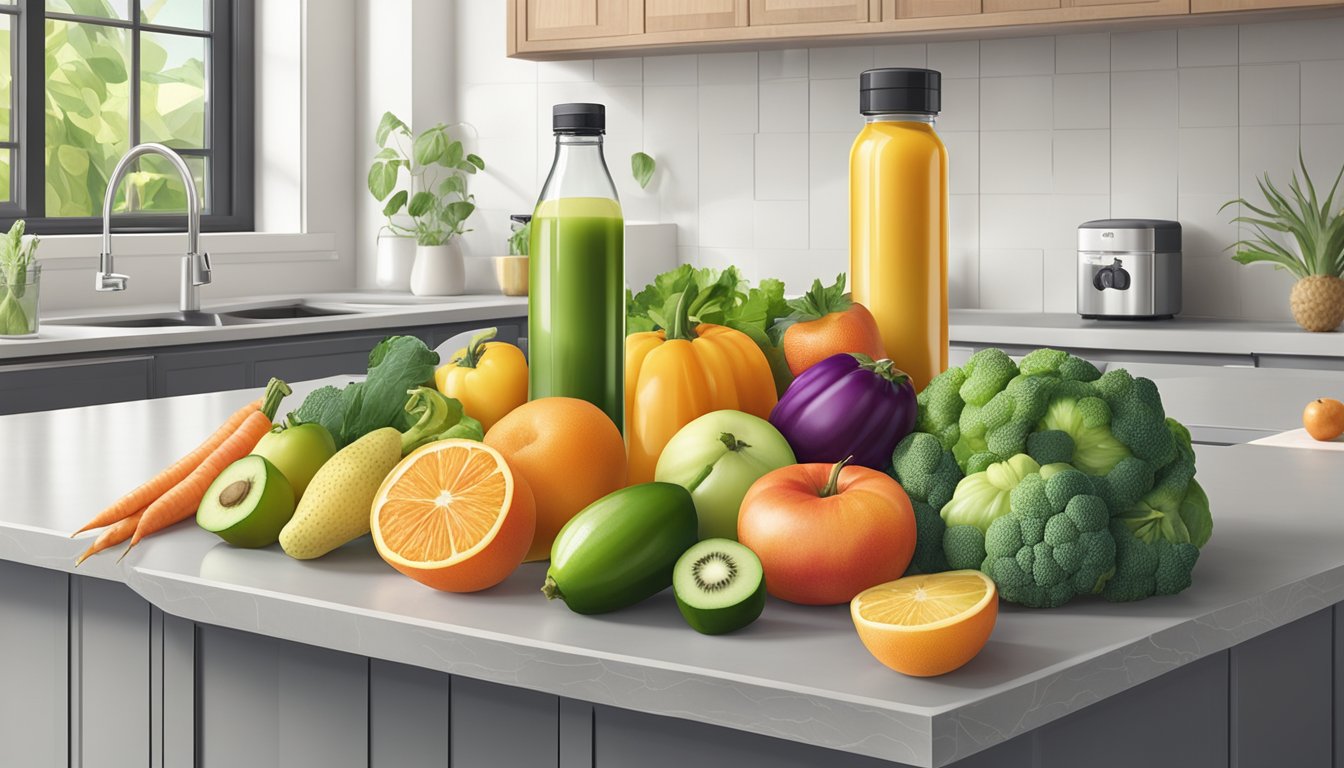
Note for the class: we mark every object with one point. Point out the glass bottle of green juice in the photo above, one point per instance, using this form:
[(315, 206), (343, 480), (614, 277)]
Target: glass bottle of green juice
[(576, 291)]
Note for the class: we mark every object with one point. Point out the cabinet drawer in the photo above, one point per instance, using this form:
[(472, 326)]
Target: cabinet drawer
[(45, 386)]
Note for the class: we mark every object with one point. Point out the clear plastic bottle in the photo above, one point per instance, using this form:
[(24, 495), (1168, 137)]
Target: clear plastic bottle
[(576, 274), (898, 217)]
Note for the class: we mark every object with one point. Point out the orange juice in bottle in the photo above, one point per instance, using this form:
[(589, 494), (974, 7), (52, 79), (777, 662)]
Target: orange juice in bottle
[(898, 217)]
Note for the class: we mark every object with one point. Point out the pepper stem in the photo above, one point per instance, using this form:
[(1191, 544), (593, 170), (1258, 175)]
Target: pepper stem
[(681, 316), (884, 368), (275, 392), (475, 349), (833, 482), (551, 590)]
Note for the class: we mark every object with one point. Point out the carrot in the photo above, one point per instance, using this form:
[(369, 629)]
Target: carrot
[(111, 536), (141, 497), (181, 501)]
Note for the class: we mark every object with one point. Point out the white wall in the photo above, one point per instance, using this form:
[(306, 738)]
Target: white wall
[(1044, 133), (304, 199)]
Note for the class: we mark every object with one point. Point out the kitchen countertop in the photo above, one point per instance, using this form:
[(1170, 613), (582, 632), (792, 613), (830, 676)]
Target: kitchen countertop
[(798, 673), (1180, 334), (377, 310)]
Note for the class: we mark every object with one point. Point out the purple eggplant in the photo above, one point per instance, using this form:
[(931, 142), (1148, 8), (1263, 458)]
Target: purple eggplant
[(847, 405)]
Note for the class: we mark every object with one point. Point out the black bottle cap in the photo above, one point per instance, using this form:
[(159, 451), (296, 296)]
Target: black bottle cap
[(900, 89), (579, 119)]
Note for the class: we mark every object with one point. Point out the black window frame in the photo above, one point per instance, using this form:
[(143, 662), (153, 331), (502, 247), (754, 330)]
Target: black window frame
[(230, 80)]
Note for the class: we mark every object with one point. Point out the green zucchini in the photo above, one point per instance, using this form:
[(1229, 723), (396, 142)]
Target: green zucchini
[(621, 548)]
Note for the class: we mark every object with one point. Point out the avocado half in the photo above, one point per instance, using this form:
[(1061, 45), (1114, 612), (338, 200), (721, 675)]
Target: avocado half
[(248, 503)]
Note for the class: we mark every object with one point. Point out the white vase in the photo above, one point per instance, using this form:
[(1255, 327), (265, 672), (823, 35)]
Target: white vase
[(395, 258), (438, 270)]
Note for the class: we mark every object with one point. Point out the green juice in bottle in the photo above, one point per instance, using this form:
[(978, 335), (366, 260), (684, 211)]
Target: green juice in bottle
[(576, 279)]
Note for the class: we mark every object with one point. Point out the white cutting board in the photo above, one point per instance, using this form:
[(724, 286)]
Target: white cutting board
[(1298, 438)]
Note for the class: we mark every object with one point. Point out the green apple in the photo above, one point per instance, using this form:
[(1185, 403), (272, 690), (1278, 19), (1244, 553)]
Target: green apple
[(298, 451), (717, 457)]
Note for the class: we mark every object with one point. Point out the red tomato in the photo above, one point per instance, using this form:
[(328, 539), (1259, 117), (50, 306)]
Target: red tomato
[(824, 536)]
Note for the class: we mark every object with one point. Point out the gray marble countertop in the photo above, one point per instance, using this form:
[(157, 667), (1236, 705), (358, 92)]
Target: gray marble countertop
[(798, 673), (1181, 334), (377, 310)]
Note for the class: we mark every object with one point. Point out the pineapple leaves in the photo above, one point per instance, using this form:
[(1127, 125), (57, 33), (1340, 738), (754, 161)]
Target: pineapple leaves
[(1315, 227)]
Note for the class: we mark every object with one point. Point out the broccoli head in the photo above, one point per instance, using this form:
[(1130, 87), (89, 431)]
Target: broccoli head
[(929, 532), (987, 372), (1054, 362), (1050, 446), (1054, 544), (1144, 569), (983, 496), (963, 547), (925, 469), (940, 407), (1138, 421)]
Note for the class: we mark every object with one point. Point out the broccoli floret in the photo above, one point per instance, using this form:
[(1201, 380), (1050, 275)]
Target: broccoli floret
[(1054, 362), (1125, 484), (981, 461), (987, 372), (1144, 569), (1086, 418), (1055, 542), (925, 469), (982, 497), (963, 547), (1050, 446), (929, 531), (940, 407), (1137, 418)]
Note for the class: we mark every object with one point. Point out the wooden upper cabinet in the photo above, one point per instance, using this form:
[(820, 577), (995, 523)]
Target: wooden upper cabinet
[(1215, 6), (665, 15), (920, 9), (765, 12), (576, 19)]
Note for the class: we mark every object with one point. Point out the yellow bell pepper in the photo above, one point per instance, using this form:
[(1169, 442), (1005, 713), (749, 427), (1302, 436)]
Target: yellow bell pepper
[(489, 378), (673, 377)]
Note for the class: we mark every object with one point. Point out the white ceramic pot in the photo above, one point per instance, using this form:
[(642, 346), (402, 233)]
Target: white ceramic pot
[(395, 258), (438, 270)]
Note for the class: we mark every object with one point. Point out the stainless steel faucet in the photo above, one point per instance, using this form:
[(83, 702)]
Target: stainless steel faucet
[(195, 265)]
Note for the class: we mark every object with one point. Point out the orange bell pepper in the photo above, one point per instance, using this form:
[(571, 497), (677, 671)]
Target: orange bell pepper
[(674, 376)]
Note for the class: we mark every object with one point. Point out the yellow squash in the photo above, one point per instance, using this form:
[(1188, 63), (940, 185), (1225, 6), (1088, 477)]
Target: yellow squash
[(673, 377), (489, 378)]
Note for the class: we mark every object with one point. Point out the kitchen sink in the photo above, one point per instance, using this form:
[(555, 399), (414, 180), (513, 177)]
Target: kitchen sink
[(286, 312), (160, 320)]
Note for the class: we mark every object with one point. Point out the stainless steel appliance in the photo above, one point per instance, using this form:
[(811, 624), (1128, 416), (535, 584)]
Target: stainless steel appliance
[(1129, 269)]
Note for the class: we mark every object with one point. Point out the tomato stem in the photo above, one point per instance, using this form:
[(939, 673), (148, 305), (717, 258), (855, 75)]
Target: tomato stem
[(833, 482)]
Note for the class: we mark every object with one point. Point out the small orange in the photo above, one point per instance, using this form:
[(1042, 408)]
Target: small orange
[(1324, 418), (454, 516), (929, 624), (570, 453)]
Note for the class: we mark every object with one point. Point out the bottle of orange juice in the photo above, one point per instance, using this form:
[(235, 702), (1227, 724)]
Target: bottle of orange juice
[(898, 217)]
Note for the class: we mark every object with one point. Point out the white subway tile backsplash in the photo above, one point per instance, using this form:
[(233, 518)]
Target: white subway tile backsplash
[(728, 108), (1206, 46), (624, 71), (1082, 101), (961, 105), (1059, 282), (1208, 162), (828, 181), (1206, 231), (1270, 94), (1209, 286), (1323, 152), (833, 106), (1011, 279), (727, 168), (1291, 41), (577, 71), (1016, 103), (1013, 221), (963, 160), (1083, 53), (1155, 49), (798, 268), (726, 224), (1018, 56), (955, 60), (1082, 162), (721, 68), (479, 106), (780, 224), (1060, 220), (1208, 97), (1264, 292), (901, 55), (781, 167), (963, 250), (1015, 162), (1143, 171), (745, 258), (479, 58), (1143, 206), (835, 63), (671, 70), (779, 65), (1322, 83), (1265, 149), (1144, 99), (784, 106)]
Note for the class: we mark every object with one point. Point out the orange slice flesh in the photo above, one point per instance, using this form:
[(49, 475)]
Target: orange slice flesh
[(442, 504), (929, 624), (926, 602)]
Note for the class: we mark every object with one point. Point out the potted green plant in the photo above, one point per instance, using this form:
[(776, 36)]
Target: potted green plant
[(1317, 232), (19, 282), (436, 201)]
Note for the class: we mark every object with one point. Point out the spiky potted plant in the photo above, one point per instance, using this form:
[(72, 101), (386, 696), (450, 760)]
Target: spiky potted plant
[(1317, 231)]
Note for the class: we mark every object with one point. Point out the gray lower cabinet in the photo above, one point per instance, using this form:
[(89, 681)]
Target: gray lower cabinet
[(47, 384)]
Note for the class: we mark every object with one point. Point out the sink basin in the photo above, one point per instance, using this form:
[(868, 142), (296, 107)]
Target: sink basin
[(161, 320), (286, 312)]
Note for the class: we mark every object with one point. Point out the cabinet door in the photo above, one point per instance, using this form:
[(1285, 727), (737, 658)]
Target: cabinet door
[(920, 9), (44, 386), (1214, 6), (575, 19), (806, 11), (664, 15)]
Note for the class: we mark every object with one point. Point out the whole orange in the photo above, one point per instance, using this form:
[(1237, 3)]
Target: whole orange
[(1324, 418), (570, 454)]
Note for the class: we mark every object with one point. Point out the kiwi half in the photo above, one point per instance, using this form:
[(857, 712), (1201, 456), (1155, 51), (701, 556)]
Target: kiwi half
[(720, 586), (248, 504)]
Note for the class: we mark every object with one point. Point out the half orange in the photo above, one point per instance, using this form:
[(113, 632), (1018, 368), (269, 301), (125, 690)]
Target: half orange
[(929, 624), (454, 516)]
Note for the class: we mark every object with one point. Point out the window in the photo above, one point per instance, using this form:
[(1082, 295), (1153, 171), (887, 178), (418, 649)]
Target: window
[(82, 81)]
